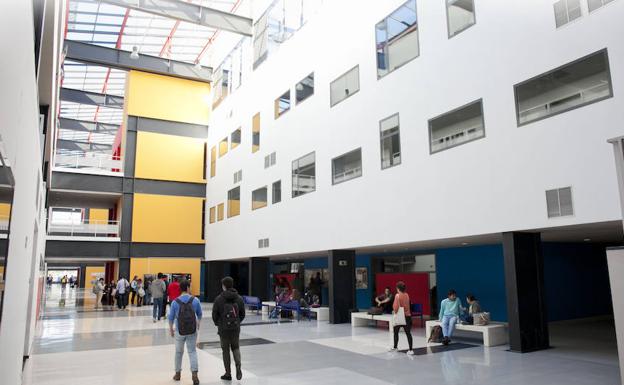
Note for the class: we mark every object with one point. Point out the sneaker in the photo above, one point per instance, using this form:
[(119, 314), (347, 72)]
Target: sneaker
[(239, 374), (195, 378), (392, 350), (226, 377), (410, 352), (176, 376)]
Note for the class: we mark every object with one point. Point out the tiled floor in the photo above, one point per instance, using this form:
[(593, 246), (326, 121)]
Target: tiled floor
[(76, 345)]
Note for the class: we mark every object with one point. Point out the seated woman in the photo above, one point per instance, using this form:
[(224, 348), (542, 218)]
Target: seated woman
[(385, 301), (473, 307)]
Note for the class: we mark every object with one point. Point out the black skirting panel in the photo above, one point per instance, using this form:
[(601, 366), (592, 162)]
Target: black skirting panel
[(86, 182), (69, 249), (259, 277), (168, 127), (82, 249), (341, 285)]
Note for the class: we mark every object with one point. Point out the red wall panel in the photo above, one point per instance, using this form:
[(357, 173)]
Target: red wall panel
[(417, 286)]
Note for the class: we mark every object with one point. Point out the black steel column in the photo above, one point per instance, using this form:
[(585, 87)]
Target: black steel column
[(524, 280), (259, 278), (215, 271), (124, 268), (341, 285)]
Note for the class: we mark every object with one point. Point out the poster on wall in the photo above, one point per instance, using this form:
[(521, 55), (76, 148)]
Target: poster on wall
[(310, 273), (361, 278)]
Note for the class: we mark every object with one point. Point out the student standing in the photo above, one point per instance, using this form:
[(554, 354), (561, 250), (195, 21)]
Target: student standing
[(157, 288), (140, 292), (402, 303), (228, 312), (122, 293), (133, 289), (98, 290), (449, 314), (186, 314), (174, 290)]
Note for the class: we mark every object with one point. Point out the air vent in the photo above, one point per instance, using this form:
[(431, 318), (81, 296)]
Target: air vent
[(270, 160), (238, 176), (559, 202), (263, 243)]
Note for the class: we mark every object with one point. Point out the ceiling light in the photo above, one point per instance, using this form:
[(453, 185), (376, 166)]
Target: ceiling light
[(135, 53), (587, 239), (464, 243)]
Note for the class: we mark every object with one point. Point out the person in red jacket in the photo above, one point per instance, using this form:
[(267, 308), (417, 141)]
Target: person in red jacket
[(173, 291)]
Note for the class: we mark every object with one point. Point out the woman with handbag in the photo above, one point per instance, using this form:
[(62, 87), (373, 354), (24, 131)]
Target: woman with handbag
[(401, 316)]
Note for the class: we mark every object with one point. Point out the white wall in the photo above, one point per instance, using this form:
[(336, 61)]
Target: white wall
[(19, 114), (487, 186), (615, 259)]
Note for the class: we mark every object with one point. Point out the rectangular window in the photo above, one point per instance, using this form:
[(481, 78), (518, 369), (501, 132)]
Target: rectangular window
[(566, 11), (238, 176), (582, 82), (460, 15), (205, 160), (213, 161), (282, 104), (595, 4), (276, 193), (346, 85), (255, 133), (270, 160), (203, 220), (559, 202), (456, 127), (220, 211), (397, 38), (233, 202), (304, 175), (305, 88), (212, 214), (390, 141), (235, 138), (223, 147), (347, 166), (259, 198)]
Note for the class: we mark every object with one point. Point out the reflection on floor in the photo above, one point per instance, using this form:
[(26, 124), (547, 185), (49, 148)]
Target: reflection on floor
[(77, 345)]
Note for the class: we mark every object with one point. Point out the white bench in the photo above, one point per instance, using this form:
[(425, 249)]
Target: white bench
[(322, 313), (494, 334), (269, 305), (363, 319)]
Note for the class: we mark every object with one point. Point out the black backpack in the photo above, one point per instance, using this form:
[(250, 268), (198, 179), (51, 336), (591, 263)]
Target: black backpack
[(187, 321), (436, 334), (229, 319)]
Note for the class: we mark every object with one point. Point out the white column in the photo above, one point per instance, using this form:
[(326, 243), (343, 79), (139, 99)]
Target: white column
[(615, 260)]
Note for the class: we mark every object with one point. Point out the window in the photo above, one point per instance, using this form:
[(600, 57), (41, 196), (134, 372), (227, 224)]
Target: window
[(259, 198), (566, 11), (582, 82), (460, 15), (595, 4), (235, 138), (304, 175), (347, 166), (213, 161), (222, 86), (212, 214), (203, 219), (276, 193), (233, 202), (263, 243), (390, 141), (456, 127), (238, 176), (255, 133), (559, 202), (223, 147), (397, 39), (345, 86), (269, 160), (282, 104), (305, 88), (220, 211), (204, 160)]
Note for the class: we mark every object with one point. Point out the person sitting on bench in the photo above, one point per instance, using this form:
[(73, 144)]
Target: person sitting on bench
[(449, 315), (473, 307), (385, 301)]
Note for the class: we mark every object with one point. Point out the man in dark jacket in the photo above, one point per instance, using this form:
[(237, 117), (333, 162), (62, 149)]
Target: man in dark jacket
[(228, 312)]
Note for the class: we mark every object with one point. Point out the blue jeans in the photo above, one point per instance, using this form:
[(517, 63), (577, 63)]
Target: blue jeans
[(191, 342), (157, 309), (448, 325)]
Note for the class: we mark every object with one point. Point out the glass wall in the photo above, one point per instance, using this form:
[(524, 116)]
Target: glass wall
[(457, 127), (235, 138), (345, 85), (276, 192), (397, 38), (390, 141), (304, 175), (259, 198), (305, 88), (223, 146), (233, 202), (460, 15), (282, 104), (347, 166), (582, 82)]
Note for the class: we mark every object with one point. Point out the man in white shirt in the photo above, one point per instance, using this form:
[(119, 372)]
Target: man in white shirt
[(122, 293)]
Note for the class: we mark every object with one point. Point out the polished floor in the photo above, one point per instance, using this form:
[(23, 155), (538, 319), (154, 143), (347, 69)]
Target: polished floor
[(77, 345)]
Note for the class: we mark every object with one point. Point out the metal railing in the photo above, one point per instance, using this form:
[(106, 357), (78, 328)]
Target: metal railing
[(565, 101), (85, 228), (88, 161), (457, 138), (347, 174), (304, 183)]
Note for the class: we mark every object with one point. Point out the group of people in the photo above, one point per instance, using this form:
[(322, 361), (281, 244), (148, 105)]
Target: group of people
[(451, 312), (285, 293)]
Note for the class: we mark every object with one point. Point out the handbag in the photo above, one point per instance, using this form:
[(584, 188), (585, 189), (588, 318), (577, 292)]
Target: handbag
[(481, 319), (398, 317), (141, 292)]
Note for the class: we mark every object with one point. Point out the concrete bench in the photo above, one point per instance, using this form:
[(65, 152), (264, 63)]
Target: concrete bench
[(362, 318), (494, 334), (322, 313), (269, 305)]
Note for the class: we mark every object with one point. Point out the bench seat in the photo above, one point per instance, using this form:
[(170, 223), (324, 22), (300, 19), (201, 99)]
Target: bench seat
[(494, 333)]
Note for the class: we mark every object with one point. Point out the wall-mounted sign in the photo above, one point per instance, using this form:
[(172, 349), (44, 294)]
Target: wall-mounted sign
[(342, 262)]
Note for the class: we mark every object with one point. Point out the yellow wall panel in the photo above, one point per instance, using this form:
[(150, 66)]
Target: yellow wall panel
[(142, 266), (92, 273), (5, 210), (169, 157), (168, 98), (98, 216), (167, 219)]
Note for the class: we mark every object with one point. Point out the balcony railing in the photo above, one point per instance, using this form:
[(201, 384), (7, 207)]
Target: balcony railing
[(86, 228), (304, 183), (347, 174), (456, 138), (87, 161)]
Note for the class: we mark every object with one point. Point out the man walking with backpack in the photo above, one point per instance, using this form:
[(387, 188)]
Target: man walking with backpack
[(228, 312), (184, 317)]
